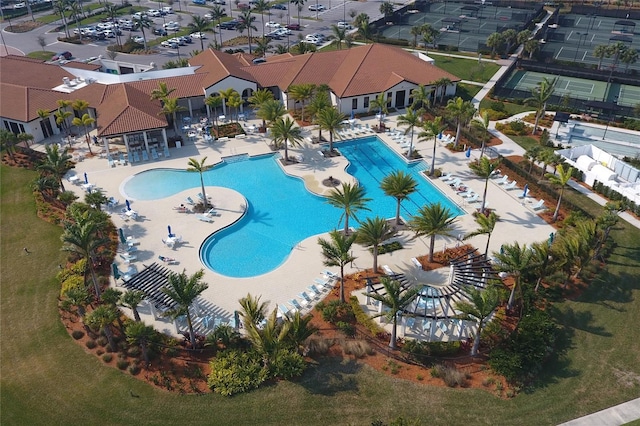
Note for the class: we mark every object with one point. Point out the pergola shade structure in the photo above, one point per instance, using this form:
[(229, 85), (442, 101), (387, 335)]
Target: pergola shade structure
[(150, 281)]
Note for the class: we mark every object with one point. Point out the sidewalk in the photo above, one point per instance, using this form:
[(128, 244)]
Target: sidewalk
[(613, 416)]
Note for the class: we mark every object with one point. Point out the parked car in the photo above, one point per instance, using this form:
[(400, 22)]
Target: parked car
[(278, 6), (19, 5), (170, 44), (139, 15), (243, 6), (345, 25), (198, 35), (168, 10), (154, 13), (139, 39), (272, 24), (201, 2), (259, 60), (229, 25), (178, 40), (316, 7), (295, 27), (62, 55), (171, 26), (108, 34), (283, 31), (160, 31), (220, 2)]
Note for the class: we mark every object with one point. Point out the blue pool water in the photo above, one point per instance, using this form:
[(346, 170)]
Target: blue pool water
[(281, 212)]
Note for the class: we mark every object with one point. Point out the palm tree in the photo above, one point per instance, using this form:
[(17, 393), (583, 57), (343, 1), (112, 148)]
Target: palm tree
[(60, 7), (338, 34), (82, 238), (270, 339), (78, 297), (270, 111), (429, 36), (544, 263), (482, 123), (461, 111), (330, 119), (258, 98), (516, 260), (171, 108), (486, 224), (421, 96), (561, 179), (379, 103), (432, 129), (628, 57), (84, 121), (415, 31), (101, 318), (364, 26), (8, 141), (95, 198), (183, 290), (386, 8), (131, 299), (484, 168), (79, 105), (300, 329), (616, 50), (337, 252), (76, 11), (199, 166), (286, 132), (299, 4), (396, 298), (56, 163), (480, 306), (433, 220), (262, 46), (247, 21), (112, 13), (162, 92), (372, 233), (62, 116), (142, 335), (510, 37), (399, 185), (540, 95), (411, 119), (443, 83), (199, 24), (213, 102), (351, 199), (600, 52), (217, 13), (143, 22), (319, 102), (252, 311), (494, 41), (531, 46), (261, 6), (48, 186), (301, 93)]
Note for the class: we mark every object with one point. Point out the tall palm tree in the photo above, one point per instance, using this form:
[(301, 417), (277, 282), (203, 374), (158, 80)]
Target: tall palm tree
[(47, 185), (171, 108), (540, 95), (338, 34), (85, 121), (351, 199), (486, 226), (62, 116), (258, 98), (336, 251), (433, 220), (217, 13), (494, 41), (600, 52), (270, 339), (56, 163), (301, 93), (399, 185), (516, 260), (263, 46), (270, 111), (330, 119), (561, 179), (131, 299), (162, 92), (142, 335), (363, 25), (247, 21), (429, 36), (213, 102), (421, 97), (142, 22), (480, 306), (386, 8), (482, 123), (200, 167), (226, 95), (285, 132), (111, 10), (319, 102), (183, 290), (432, 129), (252, 311), (396, 298), (372, 233), (531, 46), (261, 6), (461, 111), (60, 8), (83, 239), (415, 31), (411, 119), (95, 199), (299, 4), (510, 38), (379, 103), (442, 83), (199, 24), (75, 8), (484, 168), (543, 261), (628, 57), (102, 318), (235, 102)]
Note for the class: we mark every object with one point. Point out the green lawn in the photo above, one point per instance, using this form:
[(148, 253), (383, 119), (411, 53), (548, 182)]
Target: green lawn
[(525, 141), (467, 91), (40, 54), (48, 379), (467, 69), (511, 108)]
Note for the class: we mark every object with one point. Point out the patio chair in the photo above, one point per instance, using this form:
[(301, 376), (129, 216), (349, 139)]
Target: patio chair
[(446, 177), (316, 290), (330, 274), (154, 154), (473, 199), (387, 270), (305, 297), (296, 305), (502, 180), (283, 310), (190, 201), (456, 182), (510, 185), (145, 156), (204, 218), (323, 281), (539, 205)]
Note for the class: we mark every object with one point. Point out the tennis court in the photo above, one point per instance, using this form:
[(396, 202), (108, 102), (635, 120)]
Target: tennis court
[(629, 95), (576, 87)]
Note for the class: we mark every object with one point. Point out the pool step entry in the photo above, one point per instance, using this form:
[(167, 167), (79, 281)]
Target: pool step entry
[(236, 158), (421, 167)]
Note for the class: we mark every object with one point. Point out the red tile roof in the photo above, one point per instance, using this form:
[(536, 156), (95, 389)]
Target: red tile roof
[(218, 66), (126, 110)]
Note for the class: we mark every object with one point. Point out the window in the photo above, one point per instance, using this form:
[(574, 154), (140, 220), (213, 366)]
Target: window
[(354, 103), (389, 96), (366, 102)]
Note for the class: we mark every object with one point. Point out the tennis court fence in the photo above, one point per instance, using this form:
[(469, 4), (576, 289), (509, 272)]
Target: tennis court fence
[(586, 73)]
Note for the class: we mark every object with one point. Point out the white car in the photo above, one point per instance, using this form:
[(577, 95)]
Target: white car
[(154, 13), (139, 39), (139, 15), (171, 26), (345, 25), (283, 31), (168, 10), (198, 35), (170, 44), (316, 7), (272, 24), (19, 5)]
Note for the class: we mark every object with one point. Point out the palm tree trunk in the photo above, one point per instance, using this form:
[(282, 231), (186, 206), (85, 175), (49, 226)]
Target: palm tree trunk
[(109, 334), (555, 214), (342, 283), (145, 353), (431, 248), (86, 138), (375, 258), (476, 340), (433, 158), (512, 296), (96, 286), (484, 198), (398, 212), (486, 249), (136, 315), (192, 335), (459, 128), (392, 342)]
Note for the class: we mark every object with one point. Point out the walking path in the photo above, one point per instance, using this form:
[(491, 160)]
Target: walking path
[(613, 416)]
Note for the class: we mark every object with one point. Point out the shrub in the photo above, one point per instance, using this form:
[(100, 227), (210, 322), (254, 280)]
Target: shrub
[(77, 334), (122, 364), (102, 341), (335, 311), (90, 344), (388, 248), (134, 351), (134, 369), (451, 376), (488, 382), (357, 348), (287, 365), (497, 106), (348, 329), (107, 357), (319, 346), (363, 318), (235, 372)]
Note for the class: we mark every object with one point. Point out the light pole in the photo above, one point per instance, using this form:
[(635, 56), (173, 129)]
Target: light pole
[(579, 40), (344, 10)]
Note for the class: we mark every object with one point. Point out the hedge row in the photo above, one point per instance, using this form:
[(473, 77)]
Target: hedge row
[(613, 195)]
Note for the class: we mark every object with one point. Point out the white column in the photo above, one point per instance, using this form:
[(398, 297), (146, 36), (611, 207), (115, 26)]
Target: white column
[(190, 108), (164, 138), (126, 143), (146, 141)]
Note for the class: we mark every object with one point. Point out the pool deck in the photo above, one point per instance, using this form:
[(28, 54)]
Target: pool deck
[(518, 221)]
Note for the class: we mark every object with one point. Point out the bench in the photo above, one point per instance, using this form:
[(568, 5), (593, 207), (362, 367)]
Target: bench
[(241, 136), (223, 139), (416, 262)]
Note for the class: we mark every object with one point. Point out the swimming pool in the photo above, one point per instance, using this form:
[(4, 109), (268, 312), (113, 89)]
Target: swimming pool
[(281, 212)]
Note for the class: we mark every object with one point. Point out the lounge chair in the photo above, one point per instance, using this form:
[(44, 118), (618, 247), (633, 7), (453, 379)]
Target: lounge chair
[(446, 177), (466, 194), (145, 156), (502, 180), (190, 201), (128, 257), (316, 290), (416, 262), (455, 182), (511, 185), (166, 152), (304, 296), (539, 205), (296, 305), (111, 162), (201, 197), (154, 154), (325, 282), (473, 199), (330, 274), (123, 160), (204, 218), (132, 241), (388, 270), (136, 157), (283, 310), (211, 212)]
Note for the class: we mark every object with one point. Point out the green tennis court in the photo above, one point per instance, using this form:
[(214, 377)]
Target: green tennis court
[(576, 87), (629, 95)]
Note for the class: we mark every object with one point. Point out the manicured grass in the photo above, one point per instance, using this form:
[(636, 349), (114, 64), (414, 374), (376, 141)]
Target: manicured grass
[(467, 91), (39, 54), (48, 379), (511, 108), (467, 69), (525, 141)]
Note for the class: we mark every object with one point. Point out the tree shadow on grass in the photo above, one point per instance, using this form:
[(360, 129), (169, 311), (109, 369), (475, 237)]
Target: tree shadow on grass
[(611, 287), (332, 375)]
